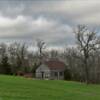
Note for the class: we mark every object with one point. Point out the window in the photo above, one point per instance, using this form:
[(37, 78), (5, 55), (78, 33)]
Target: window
[(56, 74), (61, 73)]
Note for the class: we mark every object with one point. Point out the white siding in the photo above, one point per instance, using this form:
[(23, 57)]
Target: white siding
[(43, 72), (43, 69)]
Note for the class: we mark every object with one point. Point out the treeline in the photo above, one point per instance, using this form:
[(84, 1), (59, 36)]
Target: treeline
[(82, 61)]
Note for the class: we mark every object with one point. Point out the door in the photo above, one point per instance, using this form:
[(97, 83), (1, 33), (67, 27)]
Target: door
[(42, 75)]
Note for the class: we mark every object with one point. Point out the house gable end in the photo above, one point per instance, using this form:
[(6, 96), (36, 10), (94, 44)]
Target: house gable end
[(43, 68)]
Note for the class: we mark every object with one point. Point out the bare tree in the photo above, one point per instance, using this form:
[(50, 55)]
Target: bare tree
[(41, 45), (72, 58), (87, 43), (3, 49), (54, 54), (4, 61), (18, 54)]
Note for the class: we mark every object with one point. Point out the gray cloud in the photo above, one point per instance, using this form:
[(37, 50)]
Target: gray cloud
[(50, 20)]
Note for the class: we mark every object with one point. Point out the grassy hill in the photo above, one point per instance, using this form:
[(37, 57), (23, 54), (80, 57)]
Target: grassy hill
[(16, 88)]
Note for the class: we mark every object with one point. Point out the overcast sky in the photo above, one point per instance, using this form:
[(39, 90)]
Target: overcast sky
[(49, 20)]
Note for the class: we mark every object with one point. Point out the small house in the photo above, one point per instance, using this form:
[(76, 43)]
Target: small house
[(52, 69)]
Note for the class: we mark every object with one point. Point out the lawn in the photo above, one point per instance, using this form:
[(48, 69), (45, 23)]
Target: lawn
[(17, 88)]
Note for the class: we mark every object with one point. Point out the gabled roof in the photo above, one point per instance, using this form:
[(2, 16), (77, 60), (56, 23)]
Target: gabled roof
[(55, 65)]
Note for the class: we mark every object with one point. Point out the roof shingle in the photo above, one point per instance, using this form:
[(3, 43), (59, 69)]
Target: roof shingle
[(55, 65)]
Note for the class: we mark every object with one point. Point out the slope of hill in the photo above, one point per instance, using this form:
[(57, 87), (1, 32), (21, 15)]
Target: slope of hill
[(17, 88)]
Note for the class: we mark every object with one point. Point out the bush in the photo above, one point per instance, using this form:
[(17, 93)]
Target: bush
[(67, 75)]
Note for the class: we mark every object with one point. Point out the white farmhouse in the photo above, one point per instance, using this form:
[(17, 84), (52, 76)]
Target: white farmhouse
[(53, 69)]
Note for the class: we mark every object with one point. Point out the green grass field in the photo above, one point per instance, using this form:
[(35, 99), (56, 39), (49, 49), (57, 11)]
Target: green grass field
[(16, 88)]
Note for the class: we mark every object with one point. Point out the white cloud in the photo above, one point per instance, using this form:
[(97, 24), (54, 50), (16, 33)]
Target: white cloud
[(42, 23), (26, 27), (8, 22)]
